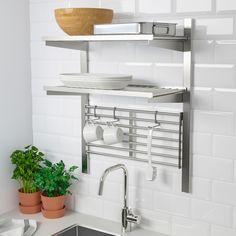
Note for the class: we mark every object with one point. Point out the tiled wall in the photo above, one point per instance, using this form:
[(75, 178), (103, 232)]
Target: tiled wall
[(210, 210)]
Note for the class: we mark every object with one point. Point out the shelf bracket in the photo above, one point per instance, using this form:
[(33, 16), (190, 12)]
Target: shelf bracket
[(187, 61)]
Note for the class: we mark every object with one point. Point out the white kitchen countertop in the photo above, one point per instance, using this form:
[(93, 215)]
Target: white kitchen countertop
[(47, 227)]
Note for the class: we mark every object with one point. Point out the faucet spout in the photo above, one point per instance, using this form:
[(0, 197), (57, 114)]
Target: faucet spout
[(128, 217), (104, 175)]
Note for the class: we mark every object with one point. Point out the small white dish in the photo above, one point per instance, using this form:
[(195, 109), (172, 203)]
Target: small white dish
[(95, 81)]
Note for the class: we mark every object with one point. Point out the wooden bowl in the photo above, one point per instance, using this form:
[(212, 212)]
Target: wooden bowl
[(80, 21)]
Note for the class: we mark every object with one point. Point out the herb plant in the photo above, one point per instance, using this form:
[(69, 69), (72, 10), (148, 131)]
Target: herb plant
[(27, 163), (54, 180)]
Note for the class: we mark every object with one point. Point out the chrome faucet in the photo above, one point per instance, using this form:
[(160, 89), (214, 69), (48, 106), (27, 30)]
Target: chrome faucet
[(128, 217)]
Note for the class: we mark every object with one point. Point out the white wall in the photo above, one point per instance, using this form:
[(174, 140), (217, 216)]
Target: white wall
[(210, 210), (15, 92)]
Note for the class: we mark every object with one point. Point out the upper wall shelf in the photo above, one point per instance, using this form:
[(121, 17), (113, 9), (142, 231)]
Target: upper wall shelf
[(78, 42)]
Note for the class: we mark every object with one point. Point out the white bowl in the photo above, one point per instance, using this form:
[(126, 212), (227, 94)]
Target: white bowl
[(95, 81)]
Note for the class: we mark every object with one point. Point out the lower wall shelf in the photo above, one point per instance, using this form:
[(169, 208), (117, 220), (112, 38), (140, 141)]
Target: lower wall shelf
[(140, 91)]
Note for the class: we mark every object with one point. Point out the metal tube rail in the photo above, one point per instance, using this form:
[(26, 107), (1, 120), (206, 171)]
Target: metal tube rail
[(132, 150), (153, 137), (153, 145), (132, 110), (130, 158), (139, 127), (133, 118)]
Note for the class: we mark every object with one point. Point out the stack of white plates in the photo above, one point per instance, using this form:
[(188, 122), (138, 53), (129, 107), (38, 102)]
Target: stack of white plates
[(95, 81)]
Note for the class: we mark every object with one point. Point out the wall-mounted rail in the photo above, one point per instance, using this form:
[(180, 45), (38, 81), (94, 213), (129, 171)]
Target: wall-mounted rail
[(167, 138)]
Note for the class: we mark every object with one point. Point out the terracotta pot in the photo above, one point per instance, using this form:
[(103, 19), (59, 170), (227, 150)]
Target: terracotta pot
[(53, 214), (30, 209), (53, 203), (29, 199)]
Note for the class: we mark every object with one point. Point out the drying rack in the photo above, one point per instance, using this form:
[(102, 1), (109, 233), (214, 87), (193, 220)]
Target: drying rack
[(167, 95), (167, 138)]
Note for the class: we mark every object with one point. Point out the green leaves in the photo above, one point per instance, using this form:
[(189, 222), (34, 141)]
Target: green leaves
[(54, 180), (27, 163)]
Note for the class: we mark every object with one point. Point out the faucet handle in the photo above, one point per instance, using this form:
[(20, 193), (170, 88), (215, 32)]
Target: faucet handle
[(132, 218)]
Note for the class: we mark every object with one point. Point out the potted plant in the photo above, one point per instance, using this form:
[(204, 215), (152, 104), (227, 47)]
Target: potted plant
[(27, 163), (54, 181)]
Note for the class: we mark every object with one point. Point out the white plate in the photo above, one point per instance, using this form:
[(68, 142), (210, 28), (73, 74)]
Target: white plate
[(96, 81)]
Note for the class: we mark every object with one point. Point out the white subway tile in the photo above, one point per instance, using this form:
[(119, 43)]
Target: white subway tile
[(202, 143), (225, 5), (202, 98), (224, 146), (119, 6), (96, 167), (82, 3), (89, 205), (222, 231), (168, 74), (186, 227), (209, 167), (213, 27), (81, 186), (117, 52), (141, 72), (38, 83), (163, 182), (225, 51), (203, 51), (111, 191), (141, 198), (40, 52), (176, 205), (223, 99), (40, 29), (223, 192), (53, 125), (112, 211), (211, 212), (234, 217), (210, 75), (47, 106), (44, 11), (200, 187), (148, 53), (193, 6), (55, 143), (47, 68), (154, 6), (214, 122), (234, 171), (157, 221), (103, 67)]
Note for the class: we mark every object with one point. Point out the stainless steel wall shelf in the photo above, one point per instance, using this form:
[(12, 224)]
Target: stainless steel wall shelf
[(153, 94), (183, 44), (80, 42)]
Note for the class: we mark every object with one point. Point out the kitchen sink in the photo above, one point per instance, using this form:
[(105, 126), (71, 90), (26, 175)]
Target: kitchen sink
[(76, 230)]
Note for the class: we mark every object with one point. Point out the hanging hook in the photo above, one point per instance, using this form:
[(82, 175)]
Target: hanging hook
[(114, 113), (156, 122), (95, 111)]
